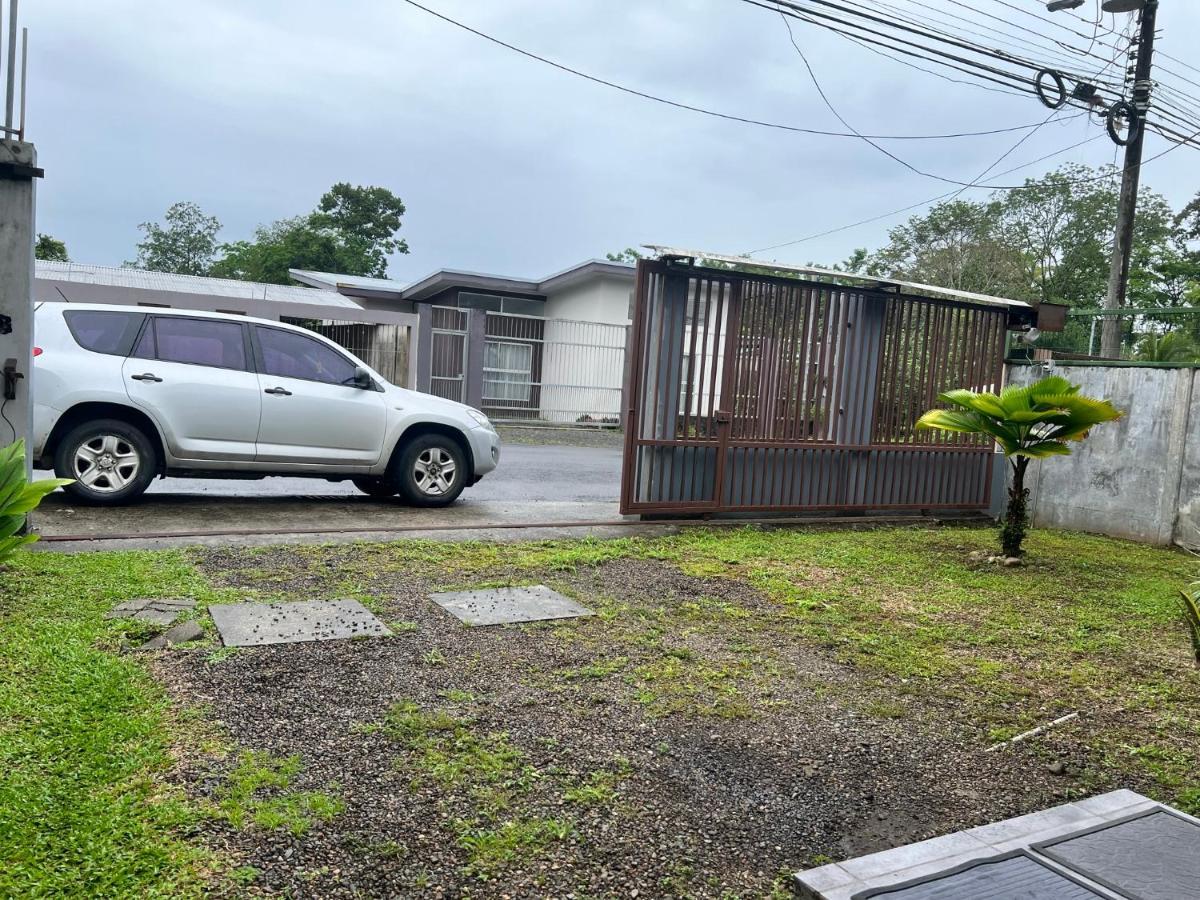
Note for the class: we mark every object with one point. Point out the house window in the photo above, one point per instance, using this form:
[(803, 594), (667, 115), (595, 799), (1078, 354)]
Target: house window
[(507, 371)]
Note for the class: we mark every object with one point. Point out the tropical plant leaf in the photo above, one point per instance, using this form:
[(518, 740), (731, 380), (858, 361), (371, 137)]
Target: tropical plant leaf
[(31, 495), (969, 423), (1015, 397), (10, 525), (9, 544), (18, 497), (1050, 386), (1043, 449), (987, 404), (1191, 613), (1035, 416)]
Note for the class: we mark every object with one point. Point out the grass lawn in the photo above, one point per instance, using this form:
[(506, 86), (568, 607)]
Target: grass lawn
[(668, 741)]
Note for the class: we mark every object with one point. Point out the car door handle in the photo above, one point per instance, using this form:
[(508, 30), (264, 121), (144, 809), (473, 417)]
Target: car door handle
[(281, 392), (146, 376)]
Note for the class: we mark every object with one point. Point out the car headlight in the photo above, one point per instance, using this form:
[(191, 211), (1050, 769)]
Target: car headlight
[(479, 417)]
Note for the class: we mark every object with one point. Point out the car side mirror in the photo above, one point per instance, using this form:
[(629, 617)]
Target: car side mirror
[(363, 379)]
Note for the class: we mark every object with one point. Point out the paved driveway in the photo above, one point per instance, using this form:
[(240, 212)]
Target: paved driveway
[(534, 484)]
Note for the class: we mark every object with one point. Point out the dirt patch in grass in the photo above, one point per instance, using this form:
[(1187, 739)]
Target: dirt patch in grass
[(685, 741)]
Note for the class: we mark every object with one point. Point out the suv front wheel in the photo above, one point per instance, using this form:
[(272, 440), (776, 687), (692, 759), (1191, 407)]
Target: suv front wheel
[(111, 462), (431, 471)]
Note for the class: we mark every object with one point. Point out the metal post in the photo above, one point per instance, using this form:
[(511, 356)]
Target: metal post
[(1118, 275), (10, 91)]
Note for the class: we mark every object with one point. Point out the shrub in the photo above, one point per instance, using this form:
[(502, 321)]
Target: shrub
[(18, 497)]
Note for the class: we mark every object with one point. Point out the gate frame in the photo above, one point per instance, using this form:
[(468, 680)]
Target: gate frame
[(1015, 315)]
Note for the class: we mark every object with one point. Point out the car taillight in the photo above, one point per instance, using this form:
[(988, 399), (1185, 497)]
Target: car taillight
[(37, 351)]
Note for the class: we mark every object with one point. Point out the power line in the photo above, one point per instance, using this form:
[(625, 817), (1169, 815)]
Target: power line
[(1003, 156), (896, 212), (1172, 110), (700, 109)]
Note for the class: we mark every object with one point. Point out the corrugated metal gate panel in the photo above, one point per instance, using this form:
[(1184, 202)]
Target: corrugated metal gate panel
[(753, 393)]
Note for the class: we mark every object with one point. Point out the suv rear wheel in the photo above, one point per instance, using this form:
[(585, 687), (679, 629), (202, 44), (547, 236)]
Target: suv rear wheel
[(431, 471), (111, 462)]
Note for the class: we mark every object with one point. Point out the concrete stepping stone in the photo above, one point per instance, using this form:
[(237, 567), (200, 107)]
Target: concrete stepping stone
[(156, 611), (509, 605), (255, 624), (179, 634)]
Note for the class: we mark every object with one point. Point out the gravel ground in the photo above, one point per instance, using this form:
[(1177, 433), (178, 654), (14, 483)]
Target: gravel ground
[(732, 753)]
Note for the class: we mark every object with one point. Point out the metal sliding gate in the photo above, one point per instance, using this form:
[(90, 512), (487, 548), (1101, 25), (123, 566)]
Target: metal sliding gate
[(756, 393)]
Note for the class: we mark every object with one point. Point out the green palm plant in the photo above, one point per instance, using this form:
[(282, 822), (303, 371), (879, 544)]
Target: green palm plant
[(1031, 422), (1191, 614), (18, 497), (1174, 346)]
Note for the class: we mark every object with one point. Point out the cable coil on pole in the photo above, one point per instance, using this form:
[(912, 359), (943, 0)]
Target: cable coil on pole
[(1060, 88)]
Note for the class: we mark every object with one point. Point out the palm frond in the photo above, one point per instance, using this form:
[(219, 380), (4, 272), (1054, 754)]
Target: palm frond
[(1043, 449), (987, 404)]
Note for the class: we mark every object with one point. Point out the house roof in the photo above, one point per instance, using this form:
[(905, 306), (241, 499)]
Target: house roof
[(869, 280), (435, 283), (80, 283)]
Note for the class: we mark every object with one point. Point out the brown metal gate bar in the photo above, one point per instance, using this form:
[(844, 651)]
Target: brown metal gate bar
[(754, 393)]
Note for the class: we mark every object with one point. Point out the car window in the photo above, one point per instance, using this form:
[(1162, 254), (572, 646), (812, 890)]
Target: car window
[(202, 342), (103, 331), (290, 355)]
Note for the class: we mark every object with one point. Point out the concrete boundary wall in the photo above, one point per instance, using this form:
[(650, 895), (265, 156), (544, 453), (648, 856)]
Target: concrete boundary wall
[(1138, 477)]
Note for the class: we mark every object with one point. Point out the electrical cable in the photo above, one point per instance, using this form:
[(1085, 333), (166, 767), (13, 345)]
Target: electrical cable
[(7, 421), (702, 110), (1003, 156), (1057, 61), (1172, 111), (923, 203)]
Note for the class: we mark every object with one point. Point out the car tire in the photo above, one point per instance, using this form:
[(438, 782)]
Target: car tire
[(378, 488), (111, 462), (431, 471)]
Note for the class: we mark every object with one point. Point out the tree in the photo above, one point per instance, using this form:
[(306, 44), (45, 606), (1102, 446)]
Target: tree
[(186, 244), (352, 231), (50, 248), (1031, 422), (628, 255), (958, 244)]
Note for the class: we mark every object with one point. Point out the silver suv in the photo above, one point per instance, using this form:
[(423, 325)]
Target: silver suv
[(122, 394)]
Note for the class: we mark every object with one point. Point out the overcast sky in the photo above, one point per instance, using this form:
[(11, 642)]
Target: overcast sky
[(253, 108)]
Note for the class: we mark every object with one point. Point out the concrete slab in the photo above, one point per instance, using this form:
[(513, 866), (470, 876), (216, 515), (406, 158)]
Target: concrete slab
[(255, 624), (125, 609), (179, 634), (508, 606), (900, 866), (1000, 878), (1153, 855), (156, 611)]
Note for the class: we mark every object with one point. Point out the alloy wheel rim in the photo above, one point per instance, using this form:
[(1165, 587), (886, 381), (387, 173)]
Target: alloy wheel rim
[(434, 471), (106, 463)]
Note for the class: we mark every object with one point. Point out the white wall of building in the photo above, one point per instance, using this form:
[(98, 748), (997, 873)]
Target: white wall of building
[(604, 299), (583, 357)]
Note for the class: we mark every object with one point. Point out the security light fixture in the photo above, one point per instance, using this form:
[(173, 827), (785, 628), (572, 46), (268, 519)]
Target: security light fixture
[(1057, 5), (1122, 6)]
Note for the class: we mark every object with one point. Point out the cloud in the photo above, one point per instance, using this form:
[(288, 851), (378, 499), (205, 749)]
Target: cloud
[(505, 164)]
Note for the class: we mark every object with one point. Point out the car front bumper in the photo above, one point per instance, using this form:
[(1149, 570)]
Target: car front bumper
[(485, 448)]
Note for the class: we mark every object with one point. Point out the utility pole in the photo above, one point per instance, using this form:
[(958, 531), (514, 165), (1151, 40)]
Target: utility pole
[(1118, 274), (18, 174)]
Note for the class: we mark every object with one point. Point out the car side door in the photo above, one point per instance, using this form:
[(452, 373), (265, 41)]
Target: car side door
[(195, 377), (313, 413)]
